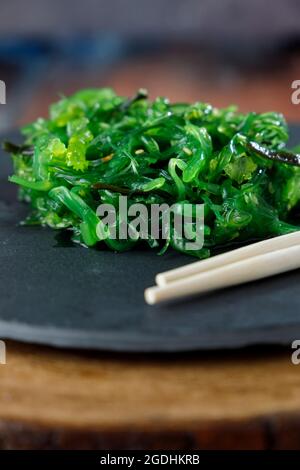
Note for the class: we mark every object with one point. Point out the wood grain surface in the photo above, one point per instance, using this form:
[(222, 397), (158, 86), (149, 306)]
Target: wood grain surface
[(51, 399)]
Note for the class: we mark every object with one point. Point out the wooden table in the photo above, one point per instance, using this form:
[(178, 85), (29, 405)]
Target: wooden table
[(59, 399), (53, 399)]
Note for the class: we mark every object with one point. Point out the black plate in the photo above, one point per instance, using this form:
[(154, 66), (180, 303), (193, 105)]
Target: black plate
[(86, 298)]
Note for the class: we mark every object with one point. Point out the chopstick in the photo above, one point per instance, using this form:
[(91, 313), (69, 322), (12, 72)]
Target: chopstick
[(233, 256), (246, 270)]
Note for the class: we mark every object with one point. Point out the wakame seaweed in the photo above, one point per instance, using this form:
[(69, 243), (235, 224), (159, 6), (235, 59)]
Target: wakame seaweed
[(97, 145)]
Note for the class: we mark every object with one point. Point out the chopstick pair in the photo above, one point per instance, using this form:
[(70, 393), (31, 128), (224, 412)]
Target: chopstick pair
[(252, 262)]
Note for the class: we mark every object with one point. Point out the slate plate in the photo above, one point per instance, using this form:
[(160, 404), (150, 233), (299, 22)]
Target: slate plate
[(86, 298)]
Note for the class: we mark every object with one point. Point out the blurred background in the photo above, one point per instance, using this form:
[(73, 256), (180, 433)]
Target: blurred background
[(223, 52)]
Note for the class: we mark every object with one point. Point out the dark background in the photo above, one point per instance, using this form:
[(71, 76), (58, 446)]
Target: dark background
[(223, 52)]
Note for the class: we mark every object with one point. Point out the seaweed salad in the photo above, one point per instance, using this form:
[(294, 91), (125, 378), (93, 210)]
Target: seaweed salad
[(96, 146)]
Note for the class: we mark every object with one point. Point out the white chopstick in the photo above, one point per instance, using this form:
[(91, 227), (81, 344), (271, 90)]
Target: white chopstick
[(233, 256), (246, 270)]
